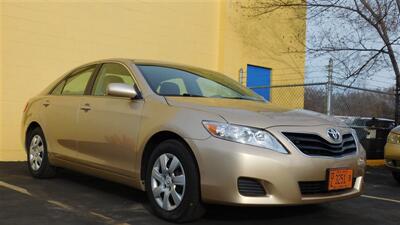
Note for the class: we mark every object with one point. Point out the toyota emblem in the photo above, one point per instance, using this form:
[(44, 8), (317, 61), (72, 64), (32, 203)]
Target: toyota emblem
[(334, 134)]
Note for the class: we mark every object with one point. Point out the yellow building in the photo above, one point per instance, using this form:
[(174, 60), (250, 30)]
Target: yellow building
[(40, 40)]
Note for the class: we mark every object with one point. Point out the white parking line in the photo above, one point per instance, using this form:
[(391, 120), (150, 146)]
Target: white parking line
[(103, 217), (15, 188), (380, 198), (61, 205), (106, 219)]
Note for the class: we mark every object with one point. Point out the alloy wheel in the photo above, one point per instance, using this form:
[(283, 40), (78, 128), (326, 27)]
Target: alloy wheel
[(36, 152), (168, 181)]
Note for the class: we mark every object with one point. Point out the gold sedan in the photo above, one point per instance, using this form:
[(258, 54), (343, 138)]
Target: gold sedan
[(392, 152), (187, 135)]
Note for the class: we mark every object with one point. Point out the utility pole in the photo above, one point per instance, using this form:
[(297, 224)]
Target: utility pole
[(397, 101), (329, 88)]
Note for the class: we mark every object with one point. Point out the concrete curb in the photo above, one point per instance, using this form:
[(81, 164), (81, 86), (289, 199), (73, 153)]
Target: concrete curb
[(375, 162)]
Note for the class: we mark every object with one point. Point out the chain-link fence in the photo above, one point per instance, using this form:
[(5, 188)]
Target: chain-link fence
[(345, 100)]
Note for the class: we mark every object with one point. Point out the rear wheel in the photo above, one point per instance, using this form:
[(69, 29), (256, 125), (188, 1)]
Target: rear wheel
[(396, 176), (172, 183), (37, 157)]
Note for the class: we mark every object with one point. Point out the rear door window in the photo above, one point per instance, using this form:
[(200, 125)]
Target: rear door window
[(76, 84), (58, 89)]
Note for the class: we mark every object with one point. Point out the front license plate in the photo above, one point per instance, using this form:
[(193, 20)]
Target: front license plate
[(340, 178)]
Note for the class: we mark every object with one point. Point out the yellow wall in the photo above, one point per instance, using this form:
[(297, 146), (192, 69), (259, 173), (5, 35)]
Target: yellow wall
[(42, 40), (264, 41)]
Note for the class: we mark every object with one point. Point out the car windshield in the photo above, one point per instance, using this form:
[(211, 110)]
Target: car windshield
[(194, 82)]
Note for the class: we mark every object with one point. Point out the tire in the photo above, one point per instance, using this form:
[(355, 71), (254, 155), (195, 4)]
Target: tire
[(37, 155), (396, 176), (169, 181)]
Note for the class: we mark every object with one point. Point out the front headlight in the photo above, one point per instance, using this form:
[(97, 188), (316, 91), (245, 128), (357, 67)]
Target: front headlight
[(244, 135), (393, 138)]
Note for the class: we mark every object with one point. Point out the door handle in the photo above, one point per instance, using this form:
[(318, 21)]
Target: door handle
[(46, 103), (86, 107)]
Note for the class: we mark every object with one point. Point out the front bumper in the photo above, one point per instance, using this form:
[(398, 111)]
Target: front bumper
[(222, 162), (392, 157)]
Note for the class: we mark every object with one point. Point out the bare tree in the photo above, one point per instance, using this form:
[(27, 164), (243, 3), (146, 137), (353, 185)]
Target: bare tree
[(351, 102), (362, 35)]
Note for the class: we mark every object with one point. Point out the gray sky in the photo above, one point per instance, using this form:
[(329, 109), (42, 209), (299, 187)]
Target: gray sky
[(316, 71), (316, 67)]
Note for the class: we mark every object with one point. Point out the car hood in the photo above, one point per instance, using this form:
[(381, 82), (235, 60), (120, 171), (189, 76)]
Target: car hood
[(254, 113), (396, 130)]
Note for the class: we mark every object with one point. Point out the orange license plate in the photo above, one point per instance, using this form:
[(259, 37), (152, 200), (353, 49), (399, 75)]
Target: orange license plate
[(340, 178)]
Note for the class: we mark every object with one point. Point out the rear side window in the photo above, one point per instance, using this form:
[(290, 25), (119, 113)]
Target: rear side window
[(76, 84), (58, 89)]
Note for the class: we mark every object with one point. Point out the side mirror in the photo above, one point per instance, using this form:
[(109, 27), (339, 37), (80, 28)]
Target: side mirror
[(121, 90)]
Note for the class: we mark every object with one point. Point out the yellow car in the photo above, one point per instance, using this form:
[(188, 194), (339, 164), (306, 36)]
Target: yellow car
[(392, 153)]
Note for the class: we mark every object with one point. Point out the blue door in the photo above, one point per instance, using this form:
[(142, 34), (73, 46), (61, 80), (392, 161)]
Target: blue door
[(258, 79)]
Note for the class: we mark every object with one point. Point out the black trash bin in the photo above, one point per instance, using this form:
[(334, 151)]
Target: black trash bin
[(372, 133)]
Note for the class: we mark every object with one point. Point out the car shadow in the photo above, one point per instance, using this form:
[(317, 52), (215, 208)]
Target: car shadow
[(213, 212), (102, 185)]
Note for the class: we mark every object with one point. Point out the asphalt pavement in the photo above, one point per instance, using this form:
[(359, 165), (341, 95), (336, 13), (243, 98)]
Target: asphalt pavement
[(72, 198)]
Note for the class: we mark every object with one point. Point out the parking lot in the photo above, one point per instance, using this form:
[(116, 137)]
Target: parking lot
[(73, 198)]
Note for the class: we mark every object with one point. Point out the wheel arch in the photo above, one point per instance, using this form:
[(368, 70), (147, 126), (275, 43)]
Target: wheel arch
[(153, 141), (32, 125)]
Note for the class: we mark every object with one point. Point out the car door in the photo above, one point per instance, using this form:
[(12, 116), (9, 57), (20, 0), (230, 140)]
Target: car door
[(108, 126), (60, 113)]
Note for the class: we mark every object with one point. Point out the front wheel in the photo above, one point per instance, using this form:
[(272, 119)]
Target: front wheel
[(173, 183), (396, 176), (37, 157)]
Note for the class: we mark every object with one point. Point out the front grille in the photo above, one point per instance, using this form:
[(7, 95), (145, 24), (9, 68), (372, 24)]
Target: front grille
[(315, 145), (317, 187), (250, 187)]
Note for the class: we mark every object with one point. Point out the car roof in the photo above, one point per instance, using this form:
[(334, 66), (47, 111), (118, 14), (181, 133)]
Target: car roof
[(126, 61), (141, 61)]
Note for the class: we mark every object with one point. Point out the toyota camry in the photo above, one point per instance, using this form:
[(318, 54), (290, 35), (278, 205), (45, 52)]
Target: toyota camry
[(188, 136)]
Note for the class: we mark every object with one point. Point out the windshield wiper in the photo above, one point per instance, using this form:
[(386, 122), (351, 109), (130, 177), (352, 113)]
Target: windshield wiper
[(202, 96), (243, 97), (184, 95), (191, 95)]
